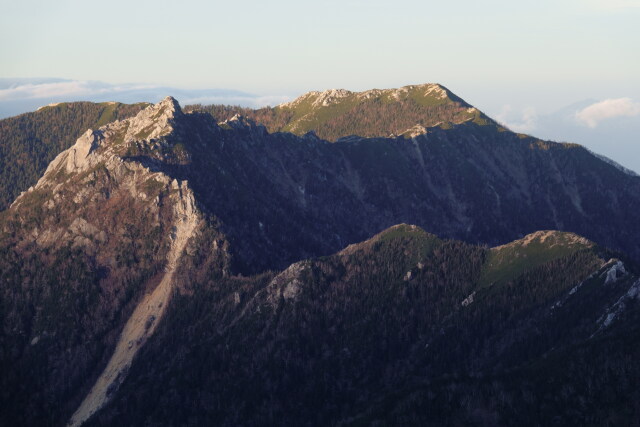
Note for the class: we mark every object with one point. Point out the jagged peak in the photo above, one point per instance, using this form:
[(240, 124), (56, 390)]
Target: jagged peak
[(150, 124), (162, 112), (171, 103), (116, 140)]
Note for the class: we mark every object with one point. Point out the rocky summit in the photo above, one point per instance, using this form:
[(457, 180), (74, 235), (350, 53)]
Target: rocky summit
[(337, 113), (177, 268)]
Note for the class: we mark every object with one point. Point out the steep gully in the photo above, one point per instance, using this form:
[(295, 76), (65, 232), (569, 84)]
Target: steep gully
[(146, 316)]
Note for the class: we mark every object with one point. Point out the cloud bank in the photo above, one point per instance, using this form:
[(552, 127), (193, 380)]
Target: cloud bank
[(608, 109), (65, 89), (22, 95)]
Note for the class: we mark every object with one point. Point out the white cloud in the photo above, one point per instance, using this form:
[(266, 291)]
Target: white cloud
[(523, 121), (22, 95), (45, 90), (608, 109), (77, 88)]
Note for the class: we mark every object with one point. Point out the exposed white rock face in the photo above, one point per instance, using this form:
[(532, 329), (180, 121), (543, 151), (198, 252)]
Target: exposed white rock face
[(333, 96), (155, 121), (614, 273), (107, 145), (78, 154), (616, 309), (437, 91), (415, 131), (286, 284), (238, 121), (299, 100)]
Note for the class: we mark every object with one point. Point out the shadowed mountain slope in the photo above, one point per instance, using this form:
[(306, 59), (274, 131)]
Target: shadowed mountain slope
[(165, 270), (305, 197), (397, 329)]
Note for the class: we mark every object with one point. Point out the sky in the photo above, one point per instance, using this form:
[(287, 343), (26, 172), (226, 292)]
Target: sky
[(520, 62)]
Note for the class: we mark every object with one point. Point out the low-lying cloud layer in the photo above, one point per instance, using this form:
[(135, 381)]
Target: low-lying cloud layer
[(608, 109), (63, 89), (22, 95)]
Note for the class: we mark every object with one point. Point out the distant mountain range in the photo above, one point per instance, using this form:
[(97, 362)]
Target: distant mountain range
[(385, 257)]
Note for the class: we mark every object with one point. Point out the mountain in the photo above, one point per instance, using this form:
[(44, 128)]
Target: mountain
[(404, 328), (475, 182), (172, 269), (101, 232), (400, 329), (337, 113), (30, 141)]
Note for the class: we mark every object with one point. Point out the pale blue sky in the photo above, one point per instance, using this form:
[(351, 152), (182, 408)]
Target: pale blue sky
[(587, 47), (523, 56)]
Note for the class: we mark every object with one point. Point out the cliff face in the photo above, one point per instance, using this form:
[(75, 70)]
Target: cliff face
[(29, 142), (88, 266)]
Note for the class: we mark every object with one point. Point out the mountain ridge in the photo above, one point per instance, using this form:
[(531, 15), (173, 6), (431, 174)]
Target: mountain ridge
[(163, 133), (336, 113), (295, 304), (266, 257)]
